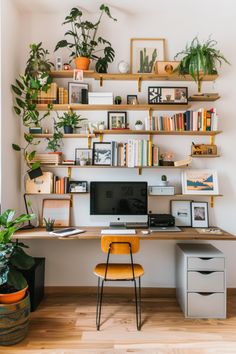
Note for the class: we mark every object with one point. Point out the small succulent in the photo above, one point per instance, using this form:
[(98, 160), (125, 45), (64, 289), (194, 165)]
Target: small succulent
[(164, 178), (49, 223), (139, 122)]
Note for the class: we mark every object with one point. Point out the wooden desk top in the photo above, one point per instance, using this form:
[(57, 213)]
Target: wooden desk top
[(187, 233)]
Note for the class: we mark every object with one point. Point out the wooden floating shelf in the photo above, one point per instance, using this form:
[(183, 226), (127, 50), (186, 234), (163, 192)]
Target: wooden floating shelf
[(204, 156), (115, 107), (206, 98), (188, 195), (95, 166), (59, 194), (66, 136), (129, 77)]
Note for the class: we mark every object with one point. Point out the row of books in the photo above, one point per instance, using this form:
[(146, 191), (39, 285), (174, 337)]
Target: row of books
[(200, 120), (60, 185)]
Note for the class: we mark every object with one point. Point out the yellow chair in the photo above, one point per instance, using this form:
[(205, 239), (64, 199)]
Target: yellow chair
[(119, 271)]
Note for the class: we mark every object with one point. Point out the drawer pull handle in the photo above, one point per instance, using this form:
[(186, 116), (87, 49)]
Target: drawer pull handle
[(205, 272), (205, 294), (205, 258)]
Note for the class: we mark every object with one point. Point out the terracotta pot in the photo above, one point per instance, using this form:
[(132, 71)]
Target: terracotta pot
[(13, 297), (82, 63)]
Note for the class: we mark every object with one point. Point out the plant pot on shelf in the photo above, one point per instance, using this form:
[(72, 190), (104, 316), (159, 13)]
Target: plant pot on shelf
[(68, 129), (139, 126), (82, 63), (34, 173)]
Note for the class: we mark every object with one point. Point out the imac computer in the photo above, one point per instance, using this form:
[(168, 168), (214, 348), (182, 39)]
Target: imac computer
[(125, 203)]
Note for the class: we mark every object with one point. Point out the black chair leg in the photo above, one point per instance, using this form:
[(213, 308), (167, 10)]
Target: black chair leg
[(137, 305), (98, 315), (139, 302), (98, 301)]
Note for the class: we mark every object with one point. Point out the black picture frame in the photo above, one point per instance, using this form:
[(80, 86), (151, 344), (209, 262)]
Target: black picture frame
[(167, 95), (75, 90), (81, 185), (116, 115), (132, 99), (83, 152), (200, 215), (102, 154)]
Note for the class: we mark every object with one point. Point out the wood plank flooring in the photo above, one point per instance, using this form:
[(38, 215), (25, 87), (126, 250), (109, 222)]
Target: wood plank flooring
[(65, 324)]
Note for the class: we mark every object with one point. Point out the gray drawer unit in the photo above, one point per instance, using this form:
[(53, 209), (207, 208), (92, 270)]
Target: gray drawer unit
[(200, 280)]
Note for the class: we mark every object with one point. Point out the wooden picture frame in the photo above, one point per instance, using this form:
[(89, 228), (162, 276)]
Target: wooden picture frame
[(167, 95), (200, 182), (57, 209), (199, 211), (132, 99), (145, 48)]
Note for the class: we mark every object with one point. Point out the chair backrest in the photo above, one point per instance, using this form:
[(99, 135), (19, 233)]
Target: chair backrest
[(122, 245)]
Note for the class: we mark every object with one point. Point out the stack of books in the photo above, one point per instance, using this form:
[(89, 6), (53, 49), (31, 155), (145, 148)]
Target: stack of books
[(49, 158), (48, 97), (62, 95), (60, 185)]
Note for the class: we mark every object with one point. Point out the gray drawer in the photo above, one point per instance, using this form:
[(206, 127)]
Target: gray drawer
[(206, 281), (209, 305), (198, 263)]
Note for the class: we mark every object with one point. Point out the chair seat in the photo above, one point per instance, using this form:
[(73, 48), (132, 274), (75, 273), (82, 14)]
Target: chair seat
[(118, 271)]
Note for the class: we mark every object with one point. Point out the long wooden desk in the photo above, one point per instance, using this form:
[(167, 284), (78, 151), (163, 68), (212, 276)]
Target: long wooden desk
[(186, 234)]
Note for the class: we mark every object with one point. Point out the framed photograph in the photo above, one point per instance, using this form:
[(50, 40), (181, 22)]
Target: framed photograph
[(200, 182), (166, 67), (144, 52), (132, 99), (75, 92), (57, 209), (116, 120), (199, 214), (83, 156), (181, 210), (78, 187), (167, 95), (78, 75), (102, 154)]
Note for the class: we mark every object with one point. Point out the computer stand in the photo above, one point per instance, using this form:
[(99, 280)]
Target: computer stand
[(117, 225)]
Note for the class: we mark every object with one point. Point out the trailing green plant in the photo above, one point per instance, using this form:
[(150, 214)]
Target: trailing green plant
[(12, 255), (70, 119), (83, 40), (146, 65), (55, 142), (28, 155), (200, 59)]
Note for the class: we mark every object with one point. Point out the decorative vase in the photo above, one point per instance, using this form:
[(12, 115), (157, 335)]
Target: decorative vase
[(101, 127), (68, 129), (139, 126), (83, 162), (49, 228), (123, 67), (82, 63)]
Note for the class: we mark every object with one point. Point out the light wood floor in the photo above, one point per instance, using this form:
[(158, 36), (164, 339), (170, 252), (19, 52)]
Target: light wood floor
[(65, 324)]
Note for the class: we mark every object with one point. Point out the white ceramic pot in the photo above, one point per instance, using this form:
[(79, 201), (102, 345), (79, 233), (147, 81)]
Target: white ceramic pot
[(101, 127), (83, 162), (139, 126)]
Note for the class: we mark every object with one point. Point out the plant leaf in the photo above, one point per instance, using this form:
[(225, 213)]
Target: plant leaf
[(16, 279), (16, 147)]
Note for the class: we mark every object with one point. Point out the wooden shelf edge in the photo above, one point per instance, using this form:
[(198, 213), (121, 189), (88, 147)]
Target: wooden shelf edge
[(188, 195), (63, 194), (204, 156), (96, 166), (155, 132), (65, 136), (203, 99)]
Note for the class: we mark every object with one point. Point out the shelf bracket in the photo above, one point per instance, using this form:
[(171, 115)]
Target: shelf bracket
[(89, 142), (139, 171), (69, 172), (101, 138), (212, 139), (139, 83), (101, 80), (212, 202)]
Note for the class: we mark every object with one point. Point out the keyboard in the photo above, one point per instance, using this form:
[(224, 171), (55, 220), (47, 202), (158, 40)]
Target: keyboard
[(118, 232)]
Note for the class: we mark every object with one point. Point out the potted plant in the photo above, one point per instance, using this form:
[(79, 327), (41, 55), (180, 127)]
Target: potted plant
[(199, 59), (84, 41), (83, 161), (69, 121), (101, 125), (14, 300), (139, 125), (118, 100), (49, 224), (164, 181)]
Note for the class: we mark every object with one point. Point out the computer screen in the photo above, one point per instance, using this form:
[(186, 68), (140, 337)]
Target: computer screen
[(118, 198)]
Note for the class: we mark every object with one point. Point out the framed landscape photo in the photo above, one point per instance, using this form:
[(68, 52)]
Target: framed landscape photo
[(102, 154), (116, 120), (200, 182), (132, 99), (83, 156), (144, 52), (75, 92), (57, 209), (199, 214), (167, 95), (181, 210)]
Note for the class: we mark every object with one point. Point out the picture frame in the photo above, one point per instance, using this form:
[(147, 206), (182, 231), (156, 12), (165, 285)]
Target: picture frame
[(163, 67), (144, 52), (57, 209), (116, 120), (78, 75), (181, 210), (167, 95), (201, 182), (199, 211), (85, 155), (75, 92), (102, 153), (78, 187), (132, 99)]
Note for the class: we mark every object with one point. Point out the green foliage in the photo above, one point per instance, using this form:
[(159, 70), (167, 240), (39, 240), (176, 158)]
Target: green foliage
[(49, 222), (139, 122), (70, 119), (12, 255), (146, 66), (55, 142), (82, 38)]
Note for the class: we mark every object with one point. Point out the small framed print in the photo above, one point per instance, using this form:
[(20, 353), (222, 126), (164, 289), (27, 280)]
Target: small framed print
[(116, 120), (166, 67), (78, 187), (83, 156), (78, 75), (199, 214), (75, 92), (57, 209), (202, 182), (102, 154), (167, 95), (132, 99), (181, 210)]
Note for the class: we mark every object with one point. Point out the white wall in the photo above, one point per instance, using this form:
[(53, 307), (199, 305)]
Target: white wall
[(71, 263)]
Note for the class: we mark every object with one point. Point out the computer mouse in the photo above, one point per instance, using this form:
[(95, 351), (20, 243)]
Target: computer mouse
[(145, 232)]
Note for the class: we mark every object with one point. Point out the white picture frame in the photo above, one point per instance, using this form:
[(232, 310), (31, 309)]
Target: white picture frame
[(181, 210), (200, 182), (75, 92), (199, 211)]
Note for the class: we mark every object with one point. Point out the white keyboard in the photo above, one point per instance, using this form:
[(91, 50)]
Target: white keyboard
[(118, 232)]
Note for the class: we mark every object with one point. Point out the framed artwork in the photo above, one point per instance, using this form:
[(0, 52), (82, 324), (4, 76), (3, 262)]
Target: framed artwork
[(132, 99), (166, 67), (200, 182), (116, 120), (167, 95), (102, 154), (57, 209), (78, 187), (83, 156), (78, 75), (144, 52), (199, 214), (181, 210), (75, 92)]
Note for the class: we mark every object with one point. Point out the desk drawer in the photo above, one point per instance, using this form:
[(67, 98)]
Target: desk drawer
[(209, 305), (204, 263), (206, 281)]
